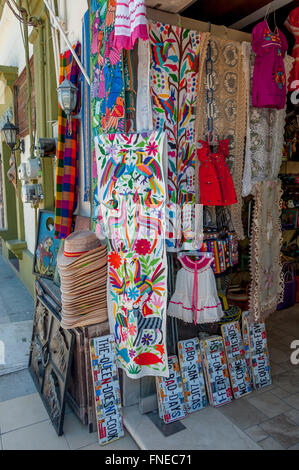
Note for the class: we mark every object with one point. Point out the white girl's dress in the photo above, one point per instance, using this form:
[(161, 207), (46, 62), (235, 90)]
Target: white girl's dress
[(195, 298)]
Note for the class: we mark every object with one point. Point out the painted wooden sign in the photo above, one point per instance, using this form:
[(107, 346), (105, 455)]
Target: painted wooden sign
[(192, 375), (236, 360), (106, 389), (170, 393), (259, 355), (216, 371), (245, 335)]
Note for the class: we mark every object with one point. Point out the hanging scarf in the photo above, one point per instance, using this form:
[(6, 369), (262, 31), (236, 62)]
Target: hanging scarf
[(67, 152), (130, 23)]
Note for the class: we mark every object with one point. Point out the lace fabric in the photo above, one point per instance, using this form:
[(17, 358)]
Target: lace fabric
[(265, 133), (228, 83), (266, 289)]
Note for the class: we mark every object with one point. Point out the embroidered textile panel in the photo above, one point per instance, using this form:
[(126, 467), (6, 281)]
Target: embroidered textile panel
[(266, 289), (132, 193), (111, 83), (174, 67), (229, 100)]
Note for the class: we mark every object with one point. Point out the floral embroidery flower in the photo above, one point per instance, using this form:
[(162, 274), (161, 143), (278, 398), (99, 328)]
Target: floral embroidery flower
[(131, 329), (133, 294), (114, 260), (152, 148), (112, 150), (146, 339), (157, 301), (132, 353), (269, 277), (230, 54), (230, 82), (142, 246)]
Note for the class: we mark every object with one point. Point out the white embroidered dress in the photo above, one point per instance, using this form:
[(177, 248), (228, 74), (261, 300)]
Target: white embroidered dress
[(195, 298)]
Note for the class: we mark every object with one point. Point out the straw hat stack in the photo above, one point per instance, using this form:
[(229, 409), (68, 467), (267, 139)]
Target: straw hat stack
[(82, 265)]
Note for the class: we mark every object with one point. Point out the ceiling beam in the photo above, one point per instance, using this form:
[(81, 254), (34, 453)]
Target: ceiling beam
[(260, 13)]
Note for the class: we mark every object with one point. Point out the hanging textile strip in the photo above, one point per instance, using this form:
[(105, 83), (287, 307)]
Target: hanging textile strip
[(266, 289), (229, 111), (265, 132), (67, 152), (86, 125), (130, 23), (174, 71), (131, 188), (108, 77)]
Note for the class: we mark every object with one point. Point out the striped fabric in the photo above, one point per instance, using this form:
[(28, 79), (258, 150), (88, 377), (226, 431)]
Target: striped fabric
[(67, 153), (86, 110), (130, 23)]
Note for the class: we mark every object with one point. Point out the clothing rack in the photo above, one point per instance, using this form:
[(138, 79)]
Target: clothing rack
[(188, 23)]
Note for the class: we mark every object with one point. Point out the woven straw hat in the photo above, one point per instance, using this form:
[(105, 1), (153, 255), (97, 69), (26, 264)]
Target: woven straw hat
[(76, 246)]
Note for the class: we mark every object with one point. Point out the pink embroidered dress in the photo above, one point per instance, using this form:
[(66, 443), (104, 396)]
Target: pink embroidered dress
[(269, 78), (195, 298), (130, 23)]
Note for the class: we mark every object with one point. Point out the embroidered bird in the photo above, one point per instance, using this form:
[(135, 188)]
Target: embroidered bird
[(120, 286), (145, 284), (151, 170), (113, 203), (112, 172), (151, 201), (165, 102)]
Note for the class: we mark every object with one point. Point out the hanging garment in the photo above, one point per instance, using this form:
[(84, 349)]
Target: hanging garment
[(111, 87), (173, 74), (266, 289), (130, 23), (195, 298), (215, 182), (269, 79), (292, 24), (67, 152), (229, 112), (265, 132), (132, 193)]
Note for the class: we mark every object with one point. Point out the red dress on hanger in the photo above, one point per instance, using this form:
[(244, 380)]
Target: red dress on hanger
[(215, 182)]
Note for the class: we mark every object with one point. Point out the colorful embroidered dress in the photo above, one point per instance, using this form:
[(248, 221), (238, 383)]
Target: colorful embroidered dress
[(292, 23), (215, 182), (269, 78), (132, 193), (195, 298), (130, 23)]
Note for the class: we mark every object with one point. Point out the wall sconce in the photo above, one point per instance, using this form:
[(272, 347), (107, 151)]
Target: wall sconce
[(67, 97), (10, 132)]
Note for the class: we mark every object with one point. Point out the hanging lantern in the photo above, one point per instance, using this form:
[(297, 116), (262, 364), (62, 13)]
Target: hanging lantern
[(67, 97), (10, 134)]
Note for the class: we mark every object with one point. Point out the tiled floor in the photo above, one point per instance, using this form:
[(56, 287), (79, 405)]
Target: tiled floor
[(25, 425)]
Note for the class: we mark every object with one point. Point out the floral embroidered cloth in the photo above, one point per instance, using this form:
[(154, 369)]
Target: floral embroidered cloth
[(229, 116), (130, 23), (265, 133), (132, 194), (266, 288), (173, 76)]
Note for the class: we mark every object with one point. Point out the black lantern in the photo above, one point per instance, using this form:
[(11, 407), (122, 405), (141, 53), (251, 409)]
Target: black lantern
[(67, 97), (10, 132)]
